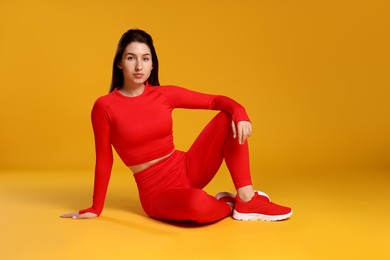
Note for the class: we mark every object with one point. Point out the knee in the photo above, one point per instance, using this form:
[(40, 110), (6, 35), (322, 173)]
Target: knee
[(224, 116), (223, 119)]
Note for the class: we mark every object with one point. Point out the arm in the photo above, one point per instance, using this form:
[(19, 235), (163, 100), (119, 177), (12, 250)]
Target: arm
[(104, 160), (104, 157), (184, 98)]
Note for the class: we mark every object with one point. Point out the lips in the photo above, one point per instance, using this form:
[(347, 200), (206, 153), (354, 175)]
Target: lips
[(138, 75)]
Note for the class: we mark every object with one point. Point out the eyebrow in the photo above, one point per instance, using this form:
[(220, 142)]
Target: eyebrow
[(130, 53)]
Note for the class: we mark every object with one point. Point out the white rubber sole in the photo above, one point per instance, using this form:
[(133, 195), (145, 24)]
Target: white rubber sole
[(256, 216)]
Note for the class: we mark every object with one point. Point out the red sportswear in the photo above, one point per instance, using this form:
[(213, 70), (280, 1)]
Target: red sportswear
[(140, 128)]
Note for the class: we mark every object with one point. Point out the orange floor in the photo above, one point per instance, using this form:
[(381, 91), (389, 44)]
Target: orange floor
[(337, 215)]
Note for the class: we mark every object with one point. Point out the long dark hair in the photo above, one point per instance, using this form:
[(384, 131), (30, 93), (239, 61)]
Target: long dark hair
[(133, 35)]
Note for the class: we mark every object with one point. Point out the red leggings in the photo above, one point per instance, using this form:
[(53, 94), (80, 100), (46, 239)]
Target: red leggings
[(172, 188)]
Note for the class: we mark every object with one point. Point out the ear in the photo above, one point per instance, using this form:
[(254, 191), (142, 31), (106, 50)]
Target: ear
[(119, 65)]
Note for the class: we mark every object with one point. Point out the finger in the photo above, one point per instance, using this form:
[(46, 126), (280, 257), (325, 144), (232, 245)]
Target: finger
[(246, 130), (249, 130), (234, 129), (245, 135), (240, 131)]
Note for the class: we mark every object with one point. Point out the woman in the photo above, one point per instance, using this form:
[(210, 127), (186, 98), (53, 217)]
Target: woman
[(135, 118)]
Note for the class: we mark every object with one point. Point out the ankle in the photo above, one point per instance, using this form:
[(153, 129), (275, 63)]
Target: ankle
[(246, 193)]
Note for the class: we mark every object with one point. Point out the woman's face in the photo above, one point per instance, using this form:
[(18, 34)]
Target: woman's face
[(136, 63)]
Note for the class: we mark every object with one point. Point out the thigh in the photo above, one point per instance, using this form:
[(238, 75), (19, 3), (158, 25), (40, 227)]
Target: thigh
[(205, 156), (188, 204)]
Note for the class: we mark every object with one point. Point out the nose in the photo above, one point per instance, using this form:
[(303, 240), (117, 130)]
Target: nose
[(138, 66)]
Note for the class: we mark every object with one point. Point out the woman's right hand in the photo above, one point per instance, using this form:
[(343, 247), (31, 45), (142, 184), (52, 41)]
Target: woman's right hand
[(243, 130), (76, 215)]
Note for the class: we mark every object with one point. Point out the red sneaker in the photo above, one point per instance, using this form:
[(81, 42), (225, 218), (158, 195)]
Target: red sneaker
[(263, 194), (260, 207), (230, 198)]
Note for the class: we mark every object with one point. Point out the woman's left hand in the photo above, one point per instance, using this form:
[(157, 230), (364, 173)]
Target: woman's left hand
[(243, 130)]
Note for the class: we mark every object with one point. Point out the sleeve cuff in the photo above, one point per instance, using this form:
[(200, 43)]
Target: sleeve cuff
[(239, 116)]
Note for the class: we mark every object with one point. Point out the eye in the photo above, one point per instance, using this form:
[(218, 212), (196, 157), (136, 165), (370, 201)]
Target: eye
[(130, 58), (146, 59)]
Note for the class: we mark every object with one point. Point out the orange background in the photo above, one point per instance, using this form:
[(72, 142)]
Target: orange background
[(314, 76)]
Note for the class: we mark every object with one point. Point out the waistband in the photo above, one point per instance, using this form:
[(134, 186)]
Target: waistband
[(158, 164), (151, 176)]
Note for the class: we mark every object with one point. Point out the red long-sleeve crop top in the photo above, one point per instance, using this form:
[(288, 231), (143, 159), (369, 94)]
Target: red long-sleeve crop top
[(140, 128)]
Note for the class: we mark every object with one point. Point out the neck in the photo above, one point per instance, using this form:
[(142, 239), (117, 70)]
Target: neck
[(132, 90)]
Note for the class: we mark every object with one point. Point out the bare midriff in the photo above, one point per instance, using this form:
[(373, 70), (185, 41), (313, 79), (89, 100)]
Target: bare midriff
[(143, 166)]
